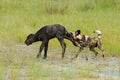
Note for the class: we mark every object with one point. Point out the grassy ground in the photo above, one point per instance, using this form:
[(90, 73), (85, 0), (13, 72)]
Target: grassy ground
[(19, 62), (18, 18)]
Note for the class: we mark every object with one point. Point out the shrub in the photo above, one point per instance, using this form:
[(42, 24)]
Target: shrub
[(88, 6), (56, 7)]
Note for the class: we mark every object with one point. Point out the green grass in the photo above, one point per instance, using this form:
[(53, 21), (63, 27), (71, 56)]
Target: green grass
[(18, 18), (15, 28)]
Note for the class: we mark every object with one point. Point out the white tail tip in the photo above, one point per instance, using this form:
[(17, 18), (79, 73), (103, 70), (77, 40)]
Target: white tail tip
[(98, 32)]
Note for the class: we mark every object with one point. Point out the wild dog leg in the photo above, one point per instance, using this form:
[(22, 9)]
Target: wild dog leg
[(101, 50), (86, 53), (80, 49), (93, 50)]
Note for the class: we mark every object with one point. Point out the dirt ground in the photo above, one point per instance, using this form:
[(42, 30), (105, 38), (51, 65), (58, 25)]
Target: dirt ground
[(107, 68)]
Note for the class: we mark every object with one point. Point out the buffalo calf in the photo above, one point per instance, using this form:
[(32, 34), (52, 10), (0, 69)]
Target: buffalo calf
[(45, 34)]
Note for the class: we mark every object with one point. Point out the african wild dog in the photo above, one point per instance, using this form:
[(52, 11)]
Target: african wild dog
[(83, 41), (45, 34)]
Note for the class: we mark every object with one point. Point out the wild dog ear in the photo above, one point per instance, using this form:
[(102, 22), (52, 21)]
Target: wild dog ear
[(77, 32)]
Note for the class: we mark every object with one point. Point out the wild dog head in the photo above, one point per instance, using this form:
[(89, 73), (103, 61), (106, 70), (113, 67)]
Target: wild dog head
[(77, 37), (75, 34)]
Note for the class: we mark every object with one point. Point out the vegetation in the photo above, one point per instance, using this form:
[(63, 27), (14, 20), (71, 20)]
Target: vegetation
[(18, 18)]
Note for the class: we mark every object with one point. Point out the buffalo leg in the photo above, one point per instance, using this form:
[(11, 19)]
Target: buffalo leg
[(63, 47), (40, 50), (45, 50)]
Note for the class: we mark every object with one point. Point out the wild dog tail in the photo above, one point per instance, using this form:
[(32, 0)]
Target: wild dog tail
[(99, 33)]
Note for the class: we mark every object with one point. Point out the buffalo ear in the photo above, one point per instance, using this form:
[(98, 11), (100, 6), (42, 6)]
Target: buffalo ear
[(77, 32), (30, 35)]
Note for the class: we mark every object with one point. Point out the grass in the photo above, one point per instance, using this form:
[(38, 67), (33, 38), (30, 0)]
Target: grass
[(15, 28), (39, 71), (20, 65), (18, 18), (17, 62)]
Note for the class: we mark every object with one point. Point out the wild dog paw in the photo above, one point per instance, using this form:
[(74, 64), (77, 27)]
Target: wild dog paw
[(103, 56)]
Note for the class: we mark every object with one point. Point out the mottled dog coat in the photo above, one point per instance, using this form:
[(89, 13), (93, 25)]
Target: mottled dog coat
[(86, 41)]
